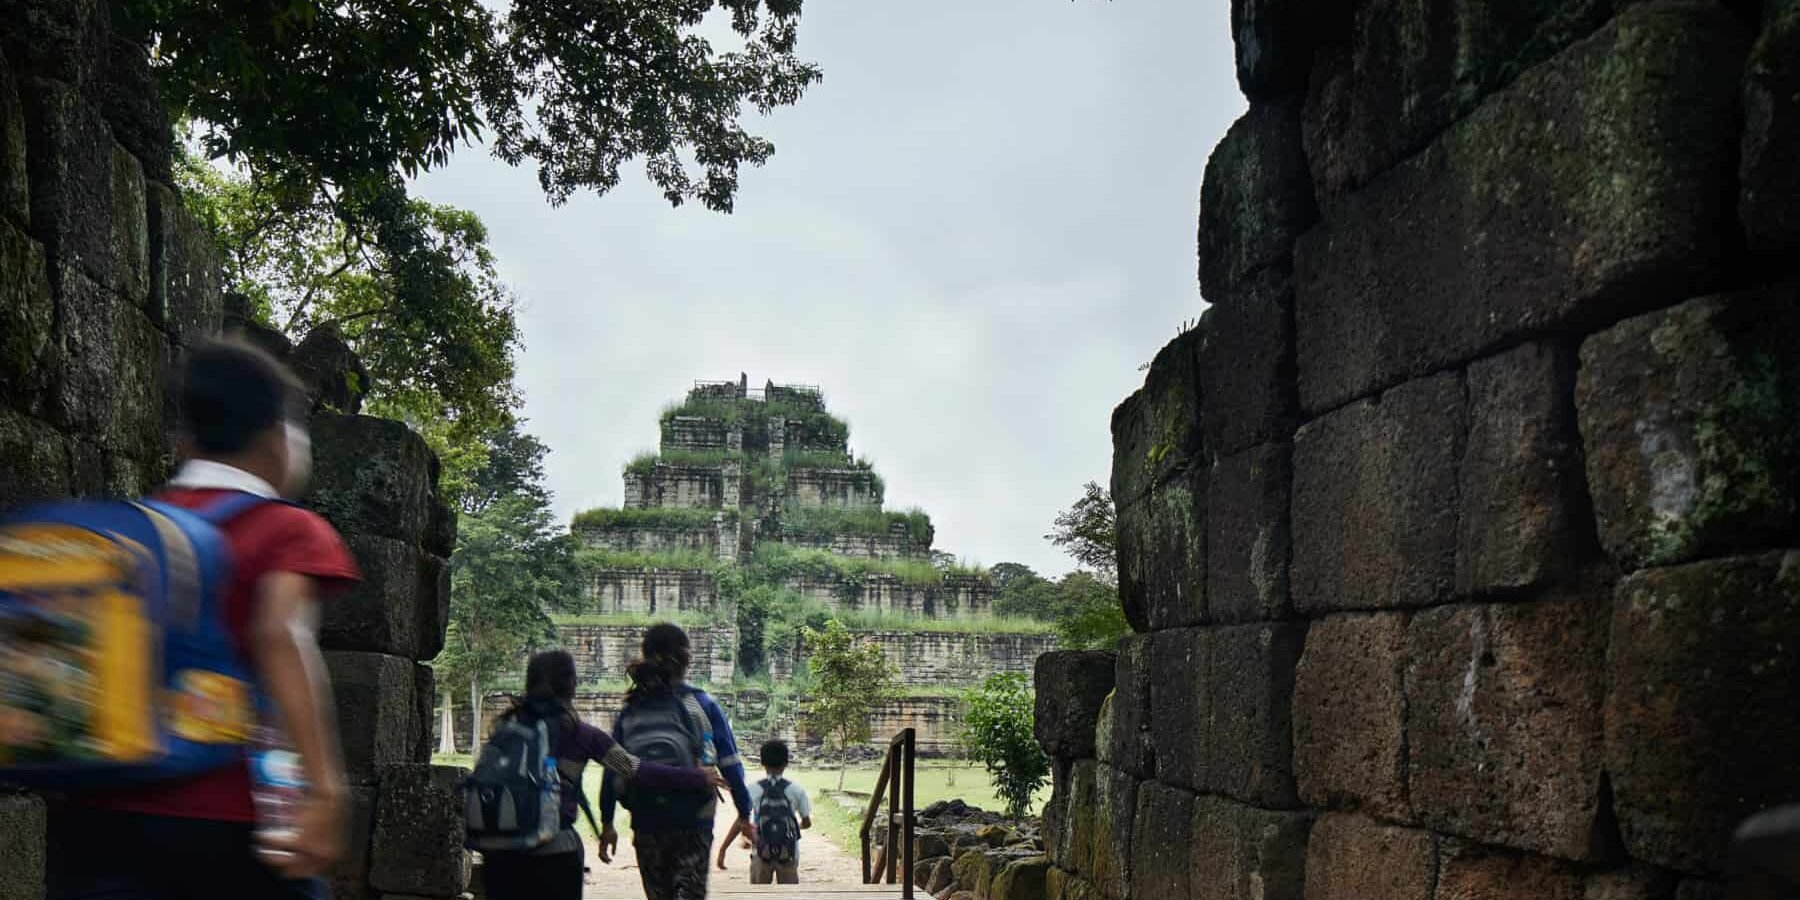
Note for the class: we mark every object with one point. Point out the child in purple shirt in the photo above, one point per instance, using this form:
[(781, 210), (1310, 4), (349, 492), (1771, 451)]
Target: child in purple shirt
[(554, 871)]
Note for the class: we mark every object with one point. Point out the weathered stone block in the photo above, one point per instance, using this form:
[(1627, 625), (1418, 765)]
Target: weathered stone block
[(1349, 706), (1162, 842), (1352, 858), (398, 608), (1127, 743), (373, 476), (1243, 853), (1247, 366), (1022, 880), (1523, 498), (1471, 870), (95, 471), (15, 186), (69, 156), (131, 228), (1500, 228), (1132, 530), (113, 363), (1415, 66), (1770, 204), (1248, 539), (1276, 38), (440, 530), (60, 39), (1375, 495), (1172, 555), (21, 847), (1181, 698), (424, 719), (1116, 797), (186, 282), (1503, 722), (350, 879), (131, 104), (37, 461), (374, 698), (418, 842), (1256, 199), (1250, 745), (1070, 686), (335, 377), (1700, 724), (27, 318), (1691, 421), (1156, 432), (1080, 828), (1631, 882)]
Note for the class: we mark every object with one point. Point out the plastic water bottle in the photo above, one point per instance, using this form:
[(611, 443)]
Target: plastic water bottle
[(277, 783), (709, 752)]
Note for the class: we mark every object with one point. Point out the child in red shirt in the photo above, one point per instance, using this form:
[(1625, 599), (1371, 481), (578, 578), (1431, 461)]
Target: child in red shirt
[(195, 837)]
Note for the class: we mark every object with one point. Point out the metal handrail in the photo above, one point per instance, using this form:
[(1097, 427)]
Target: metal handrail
[(896, 781)]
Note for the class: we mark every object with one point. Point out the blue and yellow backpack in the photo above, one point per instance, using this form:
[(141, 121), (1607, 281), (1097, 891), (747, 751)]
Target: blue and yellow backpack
[(116, 665)]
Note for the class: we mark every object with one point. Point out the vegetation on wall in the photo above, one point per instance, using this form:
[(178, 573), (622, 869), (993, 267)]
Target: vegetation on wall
[(664, 518), (828, 521)]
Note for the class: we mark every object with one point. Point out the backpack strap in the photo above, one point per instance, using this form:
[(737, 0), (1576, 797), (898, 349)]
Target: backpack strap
[(234, 504)]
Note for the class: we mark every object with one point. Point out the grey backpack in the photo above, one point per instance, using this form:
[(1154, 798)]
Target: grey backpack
[(513, 799), (665, 729)]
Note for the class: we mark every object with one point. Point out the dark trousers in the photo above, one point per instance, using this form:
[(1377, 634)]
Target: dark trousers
[(673, 864), (521, 876), (105, 855)]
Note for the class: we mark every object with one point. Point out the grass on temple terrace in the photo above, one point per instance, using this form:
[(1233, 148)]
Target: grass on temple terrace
[(933, 780)]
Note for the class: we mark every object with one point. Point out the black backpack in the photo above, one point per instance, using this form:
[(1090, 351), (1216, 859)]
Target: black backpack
[(777, 828), (513, 799), (663, 729)]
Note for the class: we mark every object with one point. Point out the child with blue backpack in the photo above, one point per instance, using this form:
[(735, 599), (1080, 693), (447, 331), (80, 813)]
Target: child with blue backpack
[(241, 578)]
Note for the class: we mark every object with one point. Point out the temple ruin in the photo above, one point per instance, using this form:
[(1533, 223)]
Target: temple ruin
[(755, 491)]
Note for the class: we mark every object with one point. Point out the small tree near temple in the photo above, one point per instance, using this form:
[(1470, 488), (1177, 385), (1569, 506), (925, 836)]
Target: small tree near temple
[(850, 678), (997, 729)]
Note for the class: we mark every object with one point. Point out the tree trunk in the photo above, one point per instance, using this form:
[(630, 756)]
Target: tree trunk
[(474, 715), (447, 728), (843, 762)]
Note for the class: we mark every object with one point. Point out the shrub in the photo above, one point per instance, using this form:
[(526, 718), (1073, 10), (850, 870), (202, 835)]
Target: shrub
[(827, 521), (997, 731)]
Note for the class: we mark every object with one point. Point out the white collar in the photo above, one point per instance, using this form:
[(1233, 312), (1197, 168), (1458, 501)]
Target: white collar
[(206, 474)]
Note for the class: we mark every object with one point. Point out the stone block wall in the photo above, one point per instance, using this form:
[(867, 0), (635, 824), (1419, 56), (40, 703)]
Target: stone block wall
[(1459, 537), (941, 658), (720, 538), (685, 487), (955, 597), (652, 592), (105, 280), (602, 652), (898, 543), (841, 488), (698, 433)]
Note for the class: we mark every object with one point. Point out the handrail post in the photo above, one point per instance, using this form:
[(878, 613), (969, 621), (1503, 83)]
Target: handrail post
[(893, 827), (908, 758)]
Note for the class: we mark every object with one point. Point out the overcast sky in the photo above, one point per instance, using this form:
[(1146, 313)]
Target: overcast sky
[(972, 234)]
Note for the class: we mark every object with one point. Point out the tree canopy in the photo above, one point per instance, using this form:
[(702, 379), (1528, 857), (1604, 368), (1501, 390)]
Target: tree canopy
[(348, 94), (850, 677), (1088, 532)]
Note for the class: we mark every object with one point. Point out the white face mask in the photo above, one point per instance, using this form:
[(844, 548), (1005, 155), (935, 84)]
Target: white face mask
[(299, 448)]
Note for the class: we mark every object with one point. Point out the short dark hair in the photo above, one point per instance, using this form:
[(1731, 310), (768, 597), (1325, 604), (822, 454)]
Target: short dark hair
[(232, 391), (775, 754)]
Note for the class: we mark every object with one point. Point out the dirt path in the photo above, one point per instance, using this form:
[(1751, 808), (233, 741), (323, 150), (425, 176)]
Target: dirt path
[(822, 862)]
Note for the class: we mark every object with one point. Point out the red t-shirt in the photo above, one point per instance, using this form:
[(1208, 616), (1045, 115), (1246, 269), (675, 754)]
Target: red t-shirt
[(271, 538)]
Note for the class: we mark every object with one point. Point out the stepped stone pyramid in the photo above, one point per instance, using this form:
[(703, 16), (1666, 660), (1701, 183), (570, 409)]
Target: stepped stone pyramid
[(755, 519)]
